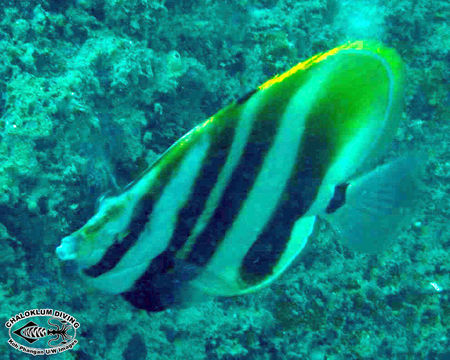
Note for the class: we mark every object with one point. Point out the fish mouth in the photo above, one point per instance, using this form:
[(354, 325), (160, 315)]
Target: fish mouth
[(68, 248)]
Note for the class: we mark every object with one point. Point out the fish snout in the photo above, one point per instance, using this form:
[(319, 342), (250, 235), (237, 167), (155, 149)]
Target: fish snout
[(68, 248)]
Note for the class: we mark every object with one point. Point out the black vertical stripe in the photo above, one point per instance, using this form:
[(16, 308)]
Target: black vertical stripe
[(206, 180), (247, 96), (267, 120), (238, 187), (314, 157), (151, 292), (161, 285), (158, 286)]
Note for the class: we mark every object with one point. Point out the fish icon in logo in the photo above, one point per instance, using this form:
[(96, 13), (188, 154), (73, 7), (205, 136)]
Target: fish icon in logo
[(60, 332), (31, 332)]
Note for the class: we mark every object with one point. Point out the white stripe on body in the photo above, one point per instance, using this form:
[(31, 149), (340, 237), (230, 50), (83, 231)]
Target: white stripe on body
[(223, 268), (356, 152), (242, 132), (89, 252), (159, 229)]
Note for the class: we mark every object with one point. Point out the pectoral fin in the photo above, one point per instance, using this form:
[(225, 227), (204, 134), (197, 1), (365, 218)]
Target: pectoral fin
[(368, 212)]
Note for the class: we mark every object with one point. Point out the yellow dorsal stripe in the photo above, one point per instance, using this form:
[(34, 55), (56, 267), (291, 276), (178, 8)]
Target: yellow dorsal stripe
[(356, 45)]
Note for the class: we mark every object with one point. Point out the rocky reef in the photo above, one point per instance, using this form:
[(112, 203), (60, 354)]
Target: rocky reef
[(92, 91)]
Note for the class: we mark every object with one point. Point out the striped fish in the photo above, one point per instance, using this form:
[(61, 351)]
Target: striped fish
[(232, 203)]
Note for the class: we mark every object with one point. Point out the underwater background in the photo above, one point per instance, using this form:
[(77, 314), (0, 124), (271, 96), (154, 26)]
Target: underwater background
[(92, 91)]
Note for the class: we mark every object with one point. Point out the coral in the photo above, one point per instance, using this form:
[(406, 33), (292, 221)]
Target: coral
[(28, 111), (91, 91)]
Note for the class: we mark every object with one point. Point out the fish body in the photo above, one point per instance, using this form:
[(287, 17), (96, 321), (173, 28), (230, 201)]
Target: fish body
[(232, 203)]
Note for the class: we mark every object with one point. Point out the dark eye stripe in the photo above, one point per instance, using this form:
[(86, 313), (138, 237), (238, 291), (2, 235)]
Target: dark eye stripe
[(116, 251), (140, 217)]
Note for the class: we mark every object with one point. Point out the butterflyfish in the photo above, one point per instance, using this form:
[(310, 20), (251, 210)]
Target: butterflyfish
[(229, 206)]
